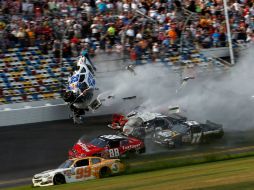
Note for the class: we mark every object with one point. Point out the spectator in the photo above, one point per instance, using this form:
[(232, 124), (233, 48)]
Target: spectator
[(115, 24), (172, 35), (216, 37)]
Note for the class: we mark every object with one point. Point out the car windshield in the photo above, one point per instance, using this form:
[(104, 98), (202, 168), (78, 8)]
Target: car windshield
[(98, 142), (180, 128), (66, 164)]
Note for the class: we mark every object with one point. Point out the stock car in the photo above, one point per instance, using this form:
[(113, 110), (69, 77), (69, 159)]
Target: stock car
[(74, 170), (107, 146), (189, 132), (139, 124)]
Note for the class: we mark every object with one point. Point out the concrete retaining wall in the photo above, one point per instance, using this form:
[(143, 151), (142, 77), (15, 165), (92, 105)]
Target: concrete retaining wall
[(41, 111)]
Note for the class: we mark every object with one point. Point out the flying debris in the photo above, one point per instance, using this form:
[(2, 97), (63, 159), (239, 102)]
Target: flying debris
[(131, 69)]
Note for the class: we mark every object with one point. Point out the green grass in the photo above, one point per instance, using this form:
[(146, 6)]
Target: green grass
[(231, 174), (156, 163)]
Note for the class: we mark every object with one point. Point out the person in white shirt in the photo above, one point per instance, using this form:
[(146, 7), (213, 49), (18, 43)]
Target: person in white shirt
[(130, 34), (126, 6)]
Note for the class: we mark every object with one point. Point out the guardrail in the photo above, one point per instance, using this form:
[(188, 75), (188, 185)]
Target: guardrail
[(29, 112), (41, 111)]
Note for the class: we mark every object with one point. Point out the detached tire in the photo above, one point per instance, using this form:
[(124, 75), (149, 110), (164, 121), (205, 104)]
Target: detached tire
[(105, 172), (59, 179)]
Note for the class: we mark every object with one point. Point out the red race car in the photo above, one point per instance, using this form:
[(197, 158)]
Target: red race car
[(118, 121), (107, 146)]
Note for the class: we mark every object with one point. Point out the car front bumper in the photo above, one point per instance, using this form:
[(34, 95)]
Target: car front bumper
[(41, 182)]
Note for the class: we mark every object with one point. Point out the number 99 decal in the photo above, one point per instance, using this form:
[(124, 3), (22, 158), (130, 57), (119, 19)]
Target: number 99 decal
[(83, 172)]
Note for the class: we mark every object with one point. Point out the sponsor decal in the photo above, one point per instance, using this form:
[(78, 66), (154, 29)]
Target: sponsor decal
[(114, 167)]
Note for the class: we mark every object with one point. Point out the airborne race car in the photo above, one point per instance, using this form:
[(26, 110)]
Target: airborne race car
[(139, 124), (189, 132), (79, 93), (75, 170), (107, 146)]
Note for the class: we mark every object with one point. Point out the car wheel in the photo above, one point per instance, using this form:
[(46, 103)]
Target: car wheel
[(59, 179), (105, 172)]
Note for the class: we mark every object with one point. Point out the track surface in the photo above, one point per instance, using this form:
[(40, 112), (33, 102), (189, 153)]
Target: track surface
[(32, 148)]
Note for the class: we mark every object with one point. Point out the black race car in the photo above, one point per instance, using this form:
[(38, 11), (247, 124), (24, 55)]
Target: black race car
[(189, 132), (141, 124)]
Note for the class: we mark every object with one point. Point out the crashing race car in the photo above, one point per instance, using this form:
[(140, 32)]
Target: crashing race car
[(80, 89), (74, 170), (189, 132), (139, 124), (107, 146)]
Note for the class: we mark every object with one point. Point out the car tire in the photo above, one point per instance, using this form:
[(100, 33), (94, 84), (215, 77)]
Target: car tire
[(59, 179), (105, 172)]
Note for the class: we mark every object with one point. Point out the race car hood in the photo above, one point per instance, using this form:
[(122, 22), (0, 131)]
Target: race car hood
[(167, 134), (86, 148), (48, 172)]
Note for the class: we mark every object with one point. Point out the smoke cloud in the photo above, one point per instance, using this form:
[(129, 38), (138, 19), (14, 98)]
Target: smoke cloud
[(225, 98), (222, 97)]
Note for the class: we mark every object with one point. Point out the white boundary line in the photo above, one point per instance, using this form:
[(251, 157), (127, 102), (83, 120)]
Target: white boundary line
[(31, 107)]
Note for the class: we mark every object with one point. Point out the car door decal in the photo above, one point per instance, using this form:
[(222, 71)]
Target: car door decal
[(196, 138), (83, 172)]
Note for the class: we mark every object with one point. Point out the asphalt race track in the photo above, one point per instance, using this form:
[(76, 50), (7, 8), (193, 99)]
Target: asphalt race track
[(32, 148)]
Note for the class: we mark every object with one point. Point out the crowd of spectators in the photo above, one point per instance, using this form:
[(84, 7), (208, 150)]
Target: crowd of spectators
[(126, 26)]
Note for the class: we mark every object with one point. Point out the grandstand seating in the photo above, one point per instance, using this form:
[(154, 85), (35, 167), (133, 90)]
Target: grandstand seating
[(28, 75)]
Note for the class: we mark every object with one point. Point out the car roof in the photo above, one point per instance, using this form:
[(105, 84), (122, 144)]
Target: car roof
[(191, 123), (89, 157), (147, 116), (112, 137)]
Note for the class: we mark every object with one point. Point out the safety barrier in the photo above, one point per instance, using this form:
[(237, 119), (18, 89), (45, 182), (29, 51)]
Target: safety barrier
[(50, 110)]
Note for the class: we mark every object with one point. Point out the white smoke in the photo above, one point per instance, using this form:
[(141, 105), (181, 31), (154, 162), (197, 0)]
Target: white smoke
[(224, 97), (154, 84)]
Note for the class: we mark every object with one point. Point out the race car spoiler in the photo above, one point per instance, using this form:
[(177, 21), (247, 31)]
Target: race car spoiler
[(212, 124)]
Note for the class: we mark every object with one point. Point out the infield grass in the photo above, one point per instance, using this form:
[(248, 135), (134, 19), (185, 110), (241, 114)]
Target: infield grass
[(230, 174)]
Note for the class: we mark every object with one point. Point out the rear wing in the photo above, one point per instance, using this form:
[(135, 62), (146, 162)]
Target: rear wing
[(173, 109), (214, 125)]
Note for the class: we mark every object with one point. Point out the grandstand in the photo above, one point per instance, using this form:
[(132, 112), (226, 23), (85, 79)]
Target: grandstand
[(28, 75)]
